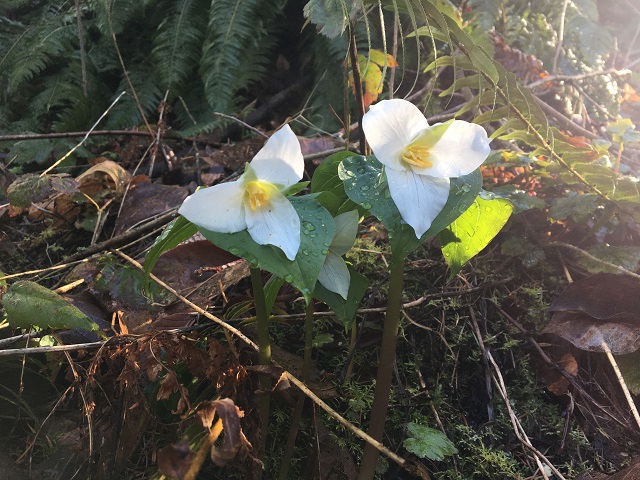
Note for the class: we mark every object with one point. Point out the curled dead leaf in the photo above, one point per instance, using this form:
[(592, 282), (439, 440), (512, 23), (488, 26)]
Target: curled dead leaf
[(115, 172), (234, 440)]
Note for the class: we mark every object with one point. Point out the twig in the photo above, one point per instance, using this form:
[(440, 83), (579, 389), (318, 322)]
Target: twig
[(517, 426), (124, 237), (564, 121), (623, 384), (104, 114), (561, 78), (561, 371), (244, 124), (41, 270), (83, 52), (556, 57), (188, 302), (595, 259), (356, 431), (91, 133)]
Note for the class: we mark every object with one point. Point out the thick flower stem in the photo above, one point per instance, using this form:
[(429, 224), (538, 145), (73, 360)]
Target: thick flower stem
[(297, 413), (385, 371), (264, 349)]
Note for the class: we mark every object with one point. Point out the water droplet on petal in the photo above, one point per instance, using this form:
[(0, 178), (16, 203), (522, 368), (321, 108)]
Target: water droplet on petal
[(364, 188), (305, 252), (366, 206), (234, 251), (324, 252), (288, 278)]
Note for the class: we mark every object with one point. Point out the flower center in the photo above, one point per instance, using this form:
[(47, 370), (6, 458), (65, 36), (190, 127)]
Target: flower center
[(258, 193), (417, 155)]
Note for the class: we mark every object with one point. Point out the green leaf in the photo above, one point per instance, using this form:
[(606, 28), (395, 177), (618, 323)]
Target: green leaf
[(271, 290), (426, 442), (629, 367), (628, 257), (472, 231), (331, 16), (366, 185), (579, 207), (178, 231), (29, 304), (326, 179), (345, 310), (317, 230), (520, 199)]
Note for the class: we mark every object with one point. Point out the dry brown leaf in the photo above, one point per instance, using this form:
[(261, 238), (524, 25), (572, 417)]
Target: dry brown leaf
[(570, 365), (601, 296), (174, 460)]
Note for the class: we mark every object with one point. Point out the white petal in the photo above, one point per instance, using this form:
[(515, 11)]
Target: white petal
[(389, 126), (346, 231), (218, 208), (418, 197), (280, 160), (335, 275), (462, 149), (276, 224)]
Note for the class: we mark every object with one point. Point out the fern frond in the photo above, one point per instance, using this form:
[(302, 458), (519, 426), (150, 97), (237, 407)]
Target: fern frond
[(234, 27), (45, 45), (125, 113), (178, 41)]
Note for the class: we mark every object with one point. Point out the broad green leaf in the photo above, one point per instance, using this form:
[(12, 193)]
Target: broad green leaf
[(366, 185), (317, 230), (473, 230), (345, 310), (178, 231), (29, 304), (579, 207), (326, 179), (426, 442)]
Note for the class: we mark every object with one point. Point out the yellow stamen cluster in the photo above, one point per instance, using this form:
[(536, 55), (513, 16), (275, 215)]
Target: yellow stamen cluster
[(257, 193), (417, 155)]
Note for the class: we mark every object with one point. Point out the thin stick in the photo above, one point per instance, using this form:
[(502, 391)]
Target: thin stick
[(556, 57), (595, 259), (188, 302), (66, 155), (623, 384), (344, 422)]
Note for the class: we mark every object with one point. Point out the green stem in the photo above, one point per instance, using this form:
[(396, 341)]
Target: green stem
[(297, 412), (357, 83), (385, 371), (264, 349)]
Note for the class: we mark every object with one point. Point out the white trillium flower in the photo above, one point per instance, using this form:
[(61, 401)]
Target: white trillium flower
[(335, 275), (256, 201), (420, 158)]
